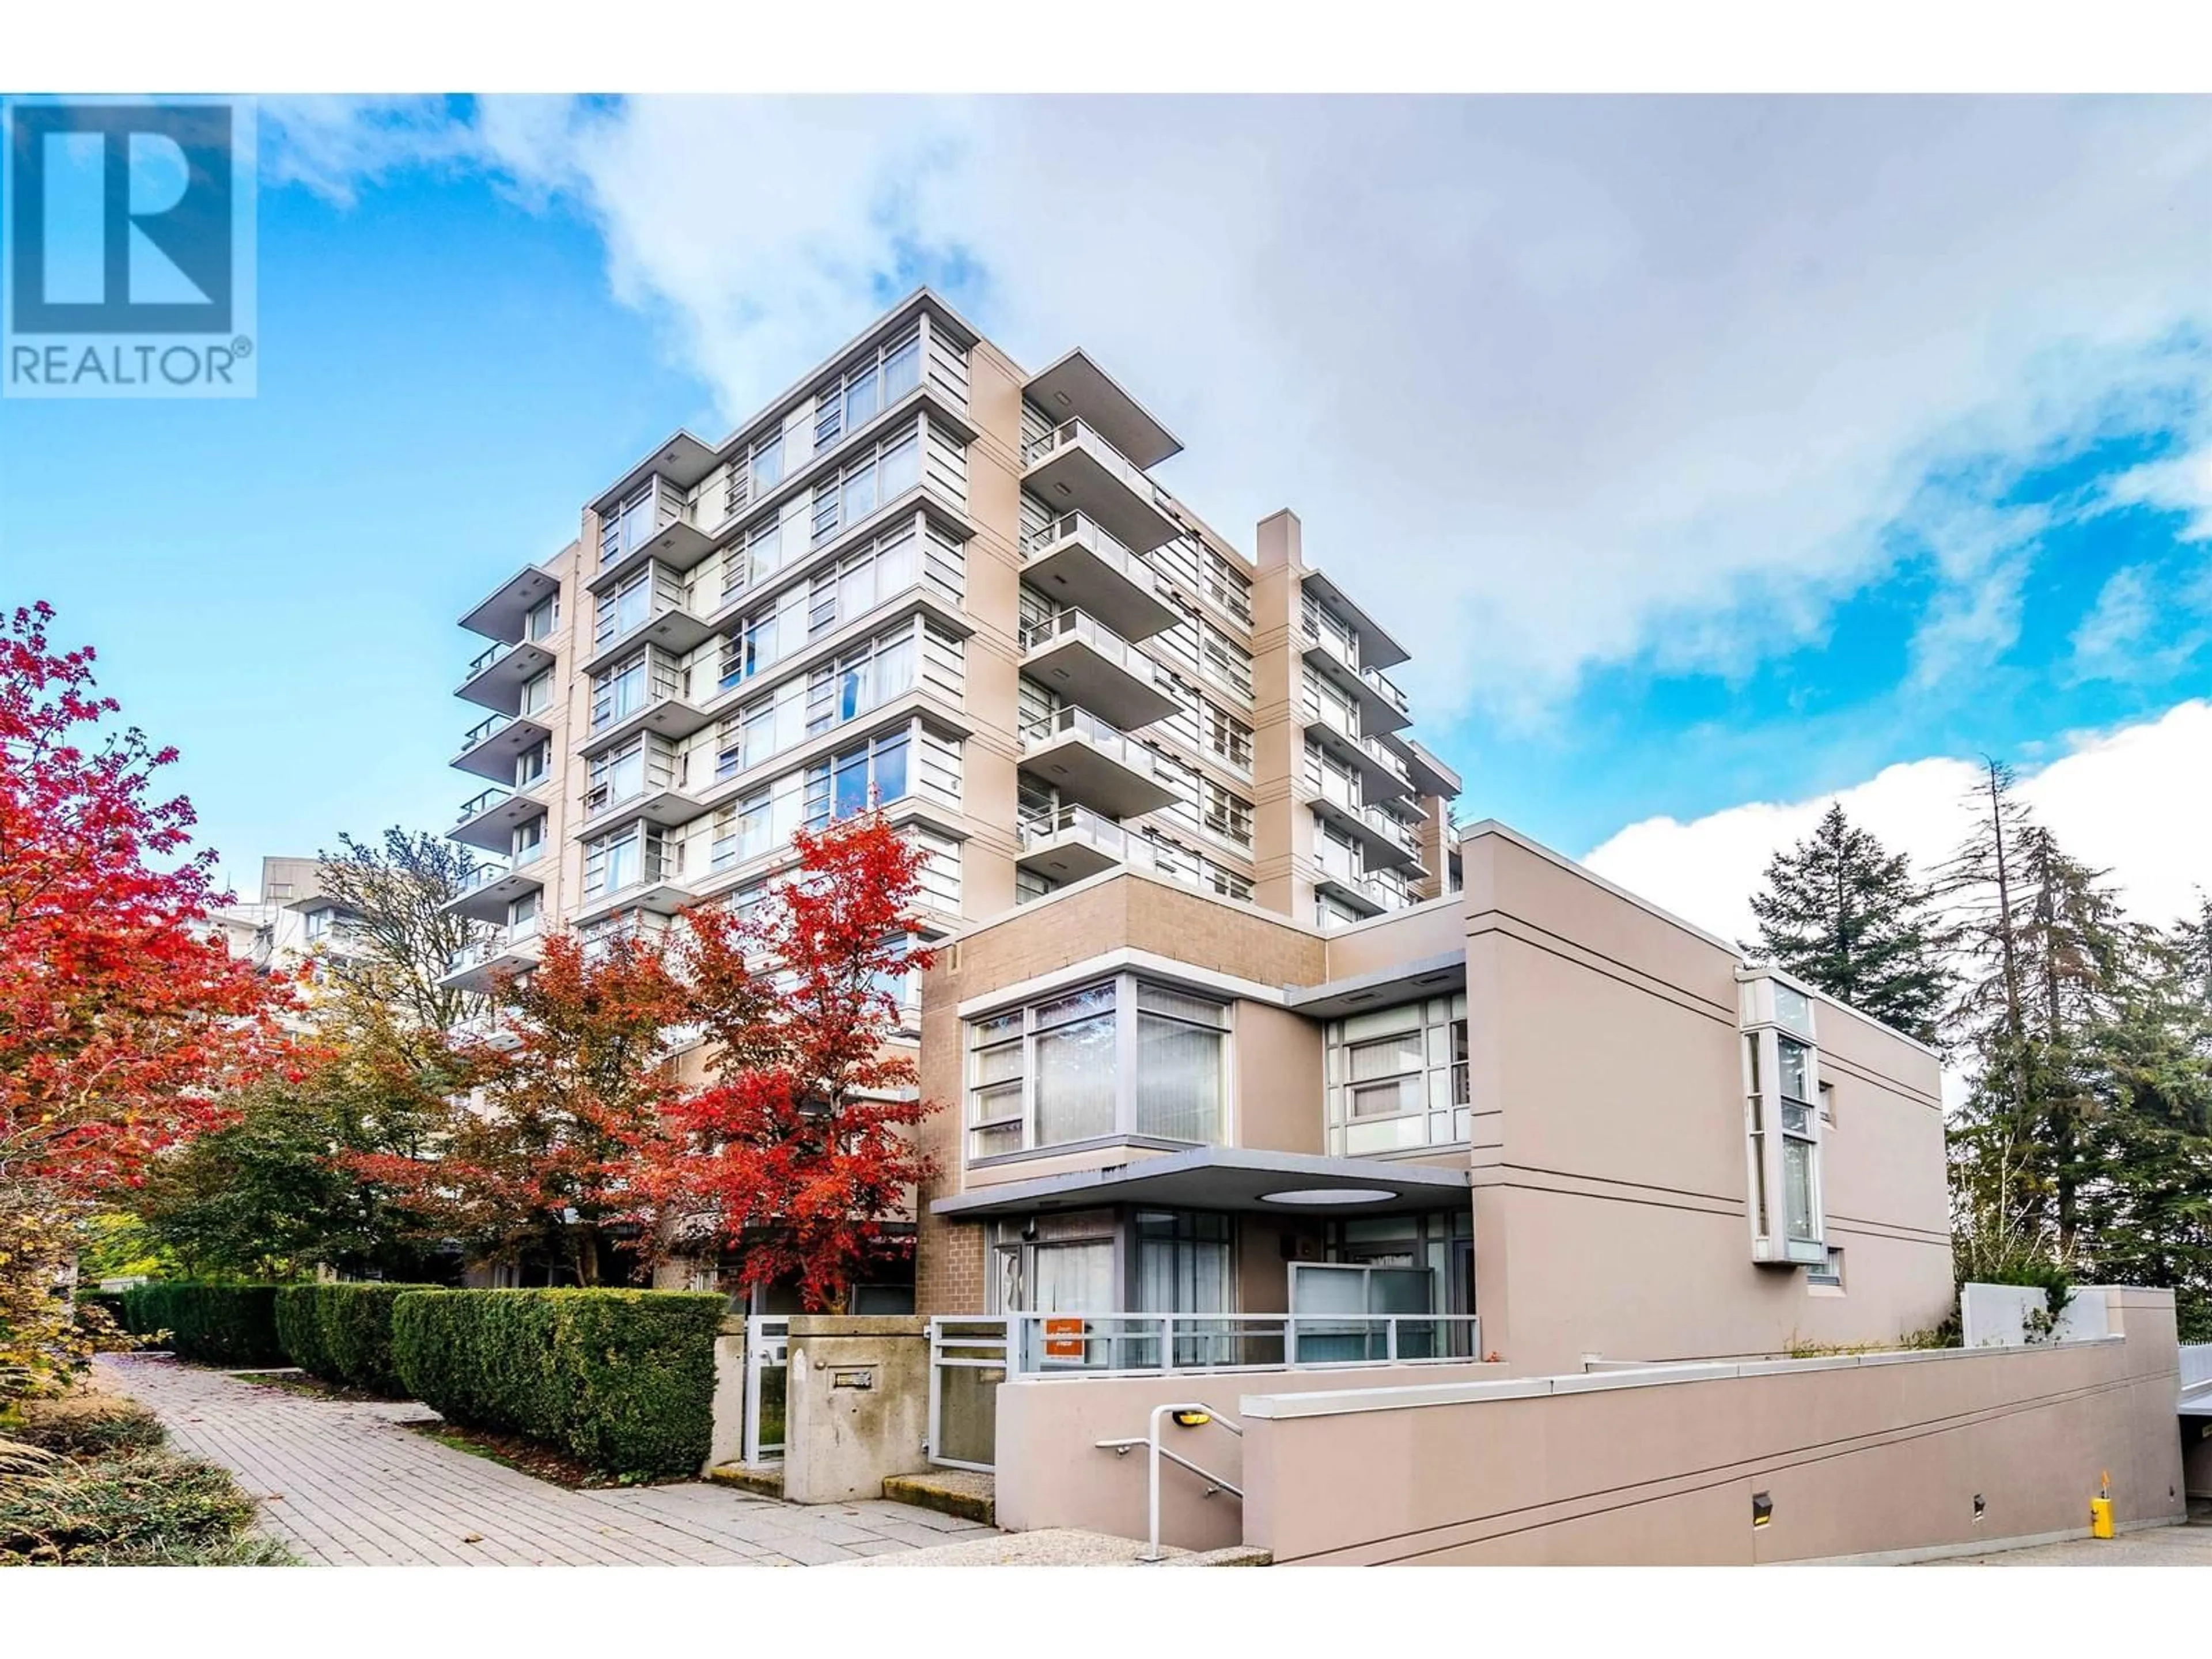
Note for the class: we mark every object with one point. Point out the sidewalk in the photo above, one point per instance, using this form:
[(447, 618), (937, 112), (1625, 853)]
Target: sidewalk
[(343, 1484)]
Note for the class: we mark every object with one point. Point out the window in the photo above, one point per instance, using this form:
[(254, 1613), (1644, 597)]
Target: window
[(537, 693), (873, 481), (1397, 1078), (320, 923), (1783, 1121), (543, 618), (1226, 663), (1227, 738), (1123, 1056), (1227, 816), (865, 776), (528, 841), (628, 607), (1828, 1104), (1228, 587), (617, 776), (1829, 1273), (869, 387), (618, 695), (530, 766)]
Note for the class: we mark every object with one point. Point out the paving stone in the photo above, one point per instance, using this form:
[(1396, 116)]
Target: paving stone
[(341, 1483)]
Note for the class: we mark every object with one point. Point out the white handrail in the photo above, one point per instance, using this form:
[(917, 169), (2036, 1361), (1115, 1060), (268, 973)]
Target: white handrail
[(1152, 1440)]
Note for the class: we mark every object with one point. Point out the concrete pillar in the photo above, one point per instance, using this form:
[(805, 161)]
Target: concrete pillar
[(725, 1441), (857, 1406)]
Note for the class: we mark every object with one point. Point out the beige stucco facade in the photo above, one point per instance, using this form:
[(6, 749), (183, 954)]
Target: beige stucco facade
[(1601, 1136)]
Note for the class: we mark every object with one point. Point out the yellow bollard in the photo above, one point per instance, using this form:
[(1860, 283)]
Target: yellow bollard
[(2100, 1507)]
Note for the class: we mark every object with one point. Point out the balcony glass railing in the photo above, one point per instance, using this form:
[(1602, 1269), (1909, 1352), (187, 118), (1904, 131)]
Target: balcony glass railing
[(1082, 723), (477, 805), (484, 659), (1072, 624), (1080, 527), (1150, 1343), (1390, 759), (1376, 682), (486, 729), (481, 876), (500, 942), (1069, 434), (1096, 827)]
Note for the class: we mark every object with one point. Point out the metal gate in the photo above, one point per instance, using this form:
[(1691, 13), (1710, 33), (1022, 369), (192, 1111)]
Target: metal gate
[(768, 1370), (967, 1362)]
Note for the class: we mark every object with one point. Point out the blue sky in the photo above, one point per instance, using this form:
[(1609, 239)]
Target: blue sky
[(1706, 457)]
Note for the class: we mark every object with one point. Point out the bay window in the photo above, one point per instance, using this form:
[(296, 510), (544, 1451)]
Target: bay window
[(1121, 1056), (1783, 1121)]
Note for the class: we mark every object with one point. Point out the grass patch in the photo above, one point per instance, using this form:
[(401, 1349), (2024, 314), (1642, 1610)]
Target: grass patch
[(525, 1455), (109, 1492)]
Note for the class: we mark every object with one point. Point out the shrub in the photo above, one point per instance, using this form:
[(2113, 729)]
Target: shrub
[(111, 1494), (624, 1380), (214, 1324), (342, 1333), (109, 1302)]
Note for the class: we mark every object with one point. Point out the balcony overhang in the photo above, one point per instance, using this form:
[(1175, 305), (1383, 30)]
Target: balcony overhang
[(1230, 1178), (663, 807), (1378, 715), (678, 545), (673, 717), (1377, 778), (1431, 775), (1406, 981), (1072, 854), (1078, 476), (1355, 893), (495, 756), (489, 903), (675, 630), (664, 897), (498, 685), (483, 973), (1382, 849), (683, 460), (1074, 569), (1076, 388), (1093, 777), (493, 829), (1376, 649), (501, 614), (1087, 676)]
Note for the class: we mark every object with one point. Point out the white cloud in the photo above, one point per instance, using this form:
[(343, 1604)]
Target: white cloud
[(2178, 484), (1590, 377), (2130, 800)]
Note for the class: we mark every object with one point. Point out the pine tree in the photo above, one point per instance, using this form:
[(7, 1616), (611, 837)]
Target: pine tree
[(1843, 913)]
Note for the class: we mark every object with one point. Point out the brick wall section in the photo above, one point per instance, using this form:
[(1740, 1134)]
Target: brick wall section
[(1123, 910)]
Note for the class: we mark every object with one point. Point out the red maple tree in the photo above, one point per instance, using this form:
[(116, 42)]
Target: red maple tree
[(795, 1153), (124, 1026), (533, 1165)]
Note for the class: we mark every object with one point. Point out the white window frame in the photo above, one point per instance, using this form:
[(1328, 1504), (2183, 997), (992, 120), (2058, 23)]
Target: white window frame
[(1775, 1011)]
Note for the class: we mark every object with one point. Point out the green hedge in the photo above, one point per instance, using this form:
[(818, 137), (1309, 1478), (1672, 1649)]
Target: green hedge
[(624, 1380), (342, 1333), (215, 1324)]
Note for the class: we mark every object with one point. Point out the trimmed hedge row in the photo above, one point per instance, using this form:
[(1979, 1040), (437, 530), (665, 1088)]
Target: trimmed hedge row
[(342, 1333), (215, 1324), (624, 1380)]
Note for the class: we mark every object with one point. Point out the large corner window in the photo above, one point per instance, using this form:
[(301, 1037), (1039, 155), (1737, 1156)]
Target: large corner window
[(1122, 1056), (1397, 1078), (1782, 1123)]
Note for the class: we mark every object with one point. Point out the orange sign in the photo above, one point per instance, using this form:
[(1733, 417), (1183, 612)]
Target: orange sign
[(1063, 1338)]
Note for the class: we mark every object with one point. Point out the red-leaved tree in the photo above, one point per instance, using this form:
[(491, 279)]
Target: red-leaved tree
[(534, 1165), (124, 1027), (797, 1151)]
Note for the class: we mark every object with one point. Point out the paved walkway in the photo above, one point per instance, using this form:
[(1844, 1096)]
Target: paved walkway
[(343, 1484), (2189, 1546)]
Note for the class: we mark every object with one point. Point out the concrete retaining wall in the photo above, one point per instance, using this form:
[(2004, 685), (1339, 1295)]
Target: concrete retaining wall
[(1859, 1455)]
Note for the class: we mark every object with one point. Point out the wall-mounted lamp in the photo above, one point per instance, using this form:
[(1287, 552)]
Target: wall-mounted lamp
[(1193, 1420), (1762, 1509)]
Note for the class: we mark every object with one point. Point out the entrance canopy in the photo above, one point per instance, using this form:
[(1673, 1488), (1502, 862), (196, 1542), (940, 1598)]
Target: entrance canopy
[(1230, 1178)]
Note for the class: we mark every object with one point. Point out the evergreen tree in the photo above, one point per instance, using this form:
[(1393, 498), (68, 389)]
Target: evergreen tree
[(1843, 913)]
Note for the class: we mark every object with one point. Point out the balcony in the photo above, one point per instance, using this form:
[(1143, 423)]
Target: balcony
[(489, 1030), (1088, 665), (488, 821), (663, 705), (492, 747), (1382, 774), (653, 527), (1077, 387), (1069, 844), (1093, 763), (491, 888), (496, 677), (1382, 705), (1384, 842), (505, 612), (663, 798), (1073, 468), (1376, 649), (670, 621), (505, 951), (1075, 562), (1364, 894), (656, 889)]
